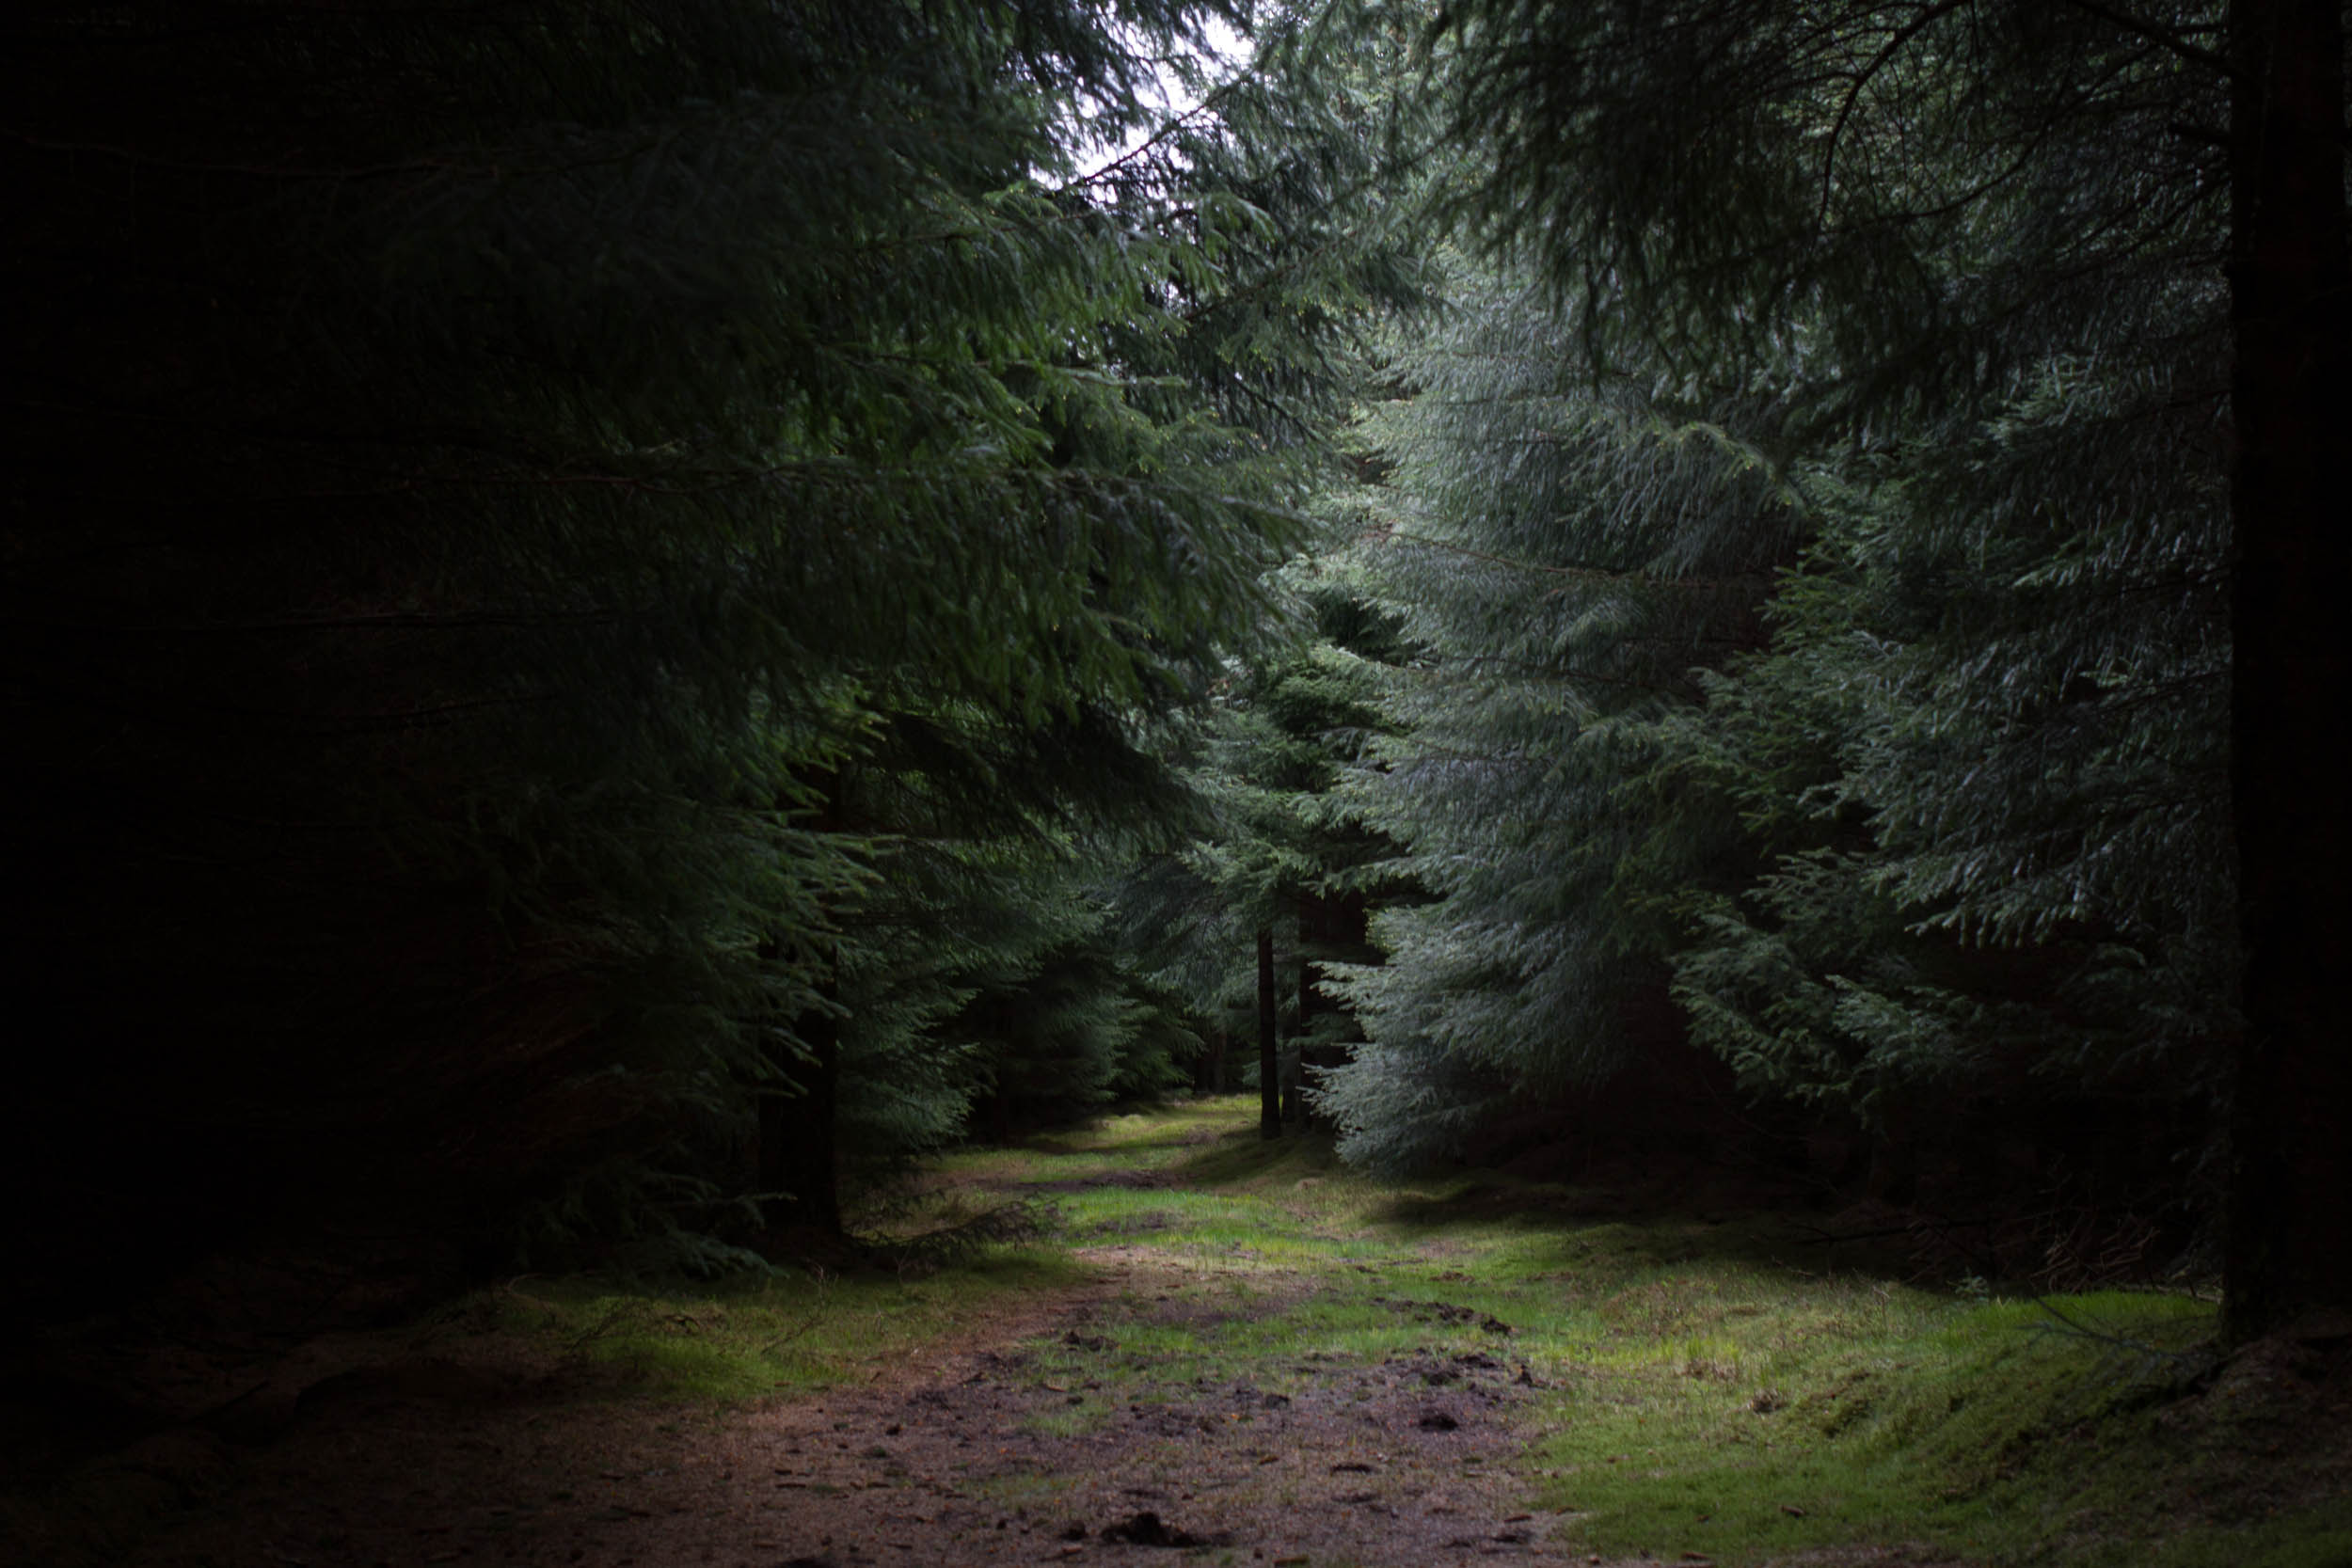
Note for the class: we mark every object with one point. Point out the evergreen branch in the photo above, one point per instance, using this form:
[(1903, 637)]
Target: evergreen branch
[(1894, 46), (2170, 42), (1569, 675), (1207, 102), (1387, 531), (1984, 187)]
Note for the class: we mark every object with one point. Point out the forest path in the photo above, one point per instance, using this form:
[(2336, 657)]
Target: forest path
[(1100, 1420), (1248, 1359)]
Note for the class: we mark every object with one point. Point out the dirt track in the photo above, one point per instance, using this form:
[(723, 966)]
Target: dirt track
[(1088, 1422), (1399, 1462)]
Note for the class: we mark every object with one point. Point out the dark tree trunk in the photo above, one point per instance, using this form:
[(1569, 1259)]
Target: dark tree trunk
[(1306, 974), (1294, 1084), (1333, 926), (798, 1143), (797, 1151), (2289, 1209), (1269, 1064), (1215, 1066)]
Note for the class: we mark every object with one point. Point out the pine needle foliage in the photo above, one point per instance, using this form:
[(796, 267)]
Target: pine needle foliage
[(486, 476), (1821, 561), (1561, 559)]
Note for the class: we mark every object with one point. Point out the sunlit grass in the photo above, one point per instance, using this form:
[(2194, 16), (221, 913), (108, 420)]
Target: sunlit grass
[(1904, 1414)]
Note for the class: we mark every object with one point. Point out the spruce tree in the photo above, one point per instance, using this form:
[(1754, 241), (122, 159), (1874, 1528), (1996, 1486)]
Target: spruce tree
[(1558, 559), (1919, 218), (563, 444)]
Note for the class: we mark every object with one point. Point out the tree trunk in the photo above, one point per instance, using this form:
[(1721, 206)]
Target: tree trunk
[(799, 1143), (798, 1150), (1306, 974), (1217, 1061), (1269, 1064), (1295, 1082), (2290, 1206)]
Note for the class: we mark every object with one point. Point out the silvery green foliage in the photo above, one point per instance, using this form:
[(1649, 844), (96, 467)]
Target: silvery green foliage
[(1564, 555), (1952, 269), (1963, 824)]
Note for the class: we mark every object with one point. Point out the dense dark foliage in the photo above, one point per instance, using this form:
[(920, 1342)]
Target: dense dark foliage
[(1925, 307), (559, 553), (615, 611)]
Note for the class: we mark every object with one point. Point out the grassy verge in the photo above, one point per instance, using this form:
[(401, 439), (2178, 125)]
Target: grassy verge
[(746, 1339)]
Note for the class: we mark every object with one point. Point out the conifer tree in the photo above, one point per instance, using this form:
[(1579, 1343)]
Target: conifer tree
[(1272, 887), (1918, 221), (566, 443), (2289, 401), (1560, 560)]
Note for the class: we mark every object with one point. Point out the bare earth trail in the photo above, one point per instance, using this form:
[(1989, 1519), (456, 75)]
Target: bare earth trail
[(939, 1459), (1084, 1424)]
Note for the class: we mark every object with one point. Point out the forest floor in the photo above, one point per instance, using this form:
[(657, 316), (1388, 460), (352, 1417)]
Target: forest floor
[(1186, 1344)]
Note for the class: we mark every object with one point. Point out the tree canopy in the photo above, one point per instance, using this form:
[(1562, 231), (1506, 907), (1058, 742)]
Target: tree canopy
[(618, 611)]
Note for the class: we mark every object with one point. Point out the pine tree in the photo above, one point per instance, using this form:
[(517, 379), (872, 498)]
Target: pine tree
[(1274, 886), (487, 476), (1559, 559), (1922, 219)]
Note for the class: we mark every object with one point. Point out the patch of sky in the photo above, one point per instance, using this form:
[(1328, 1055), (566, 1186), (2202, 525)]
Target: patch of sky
[(1182, 84)]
